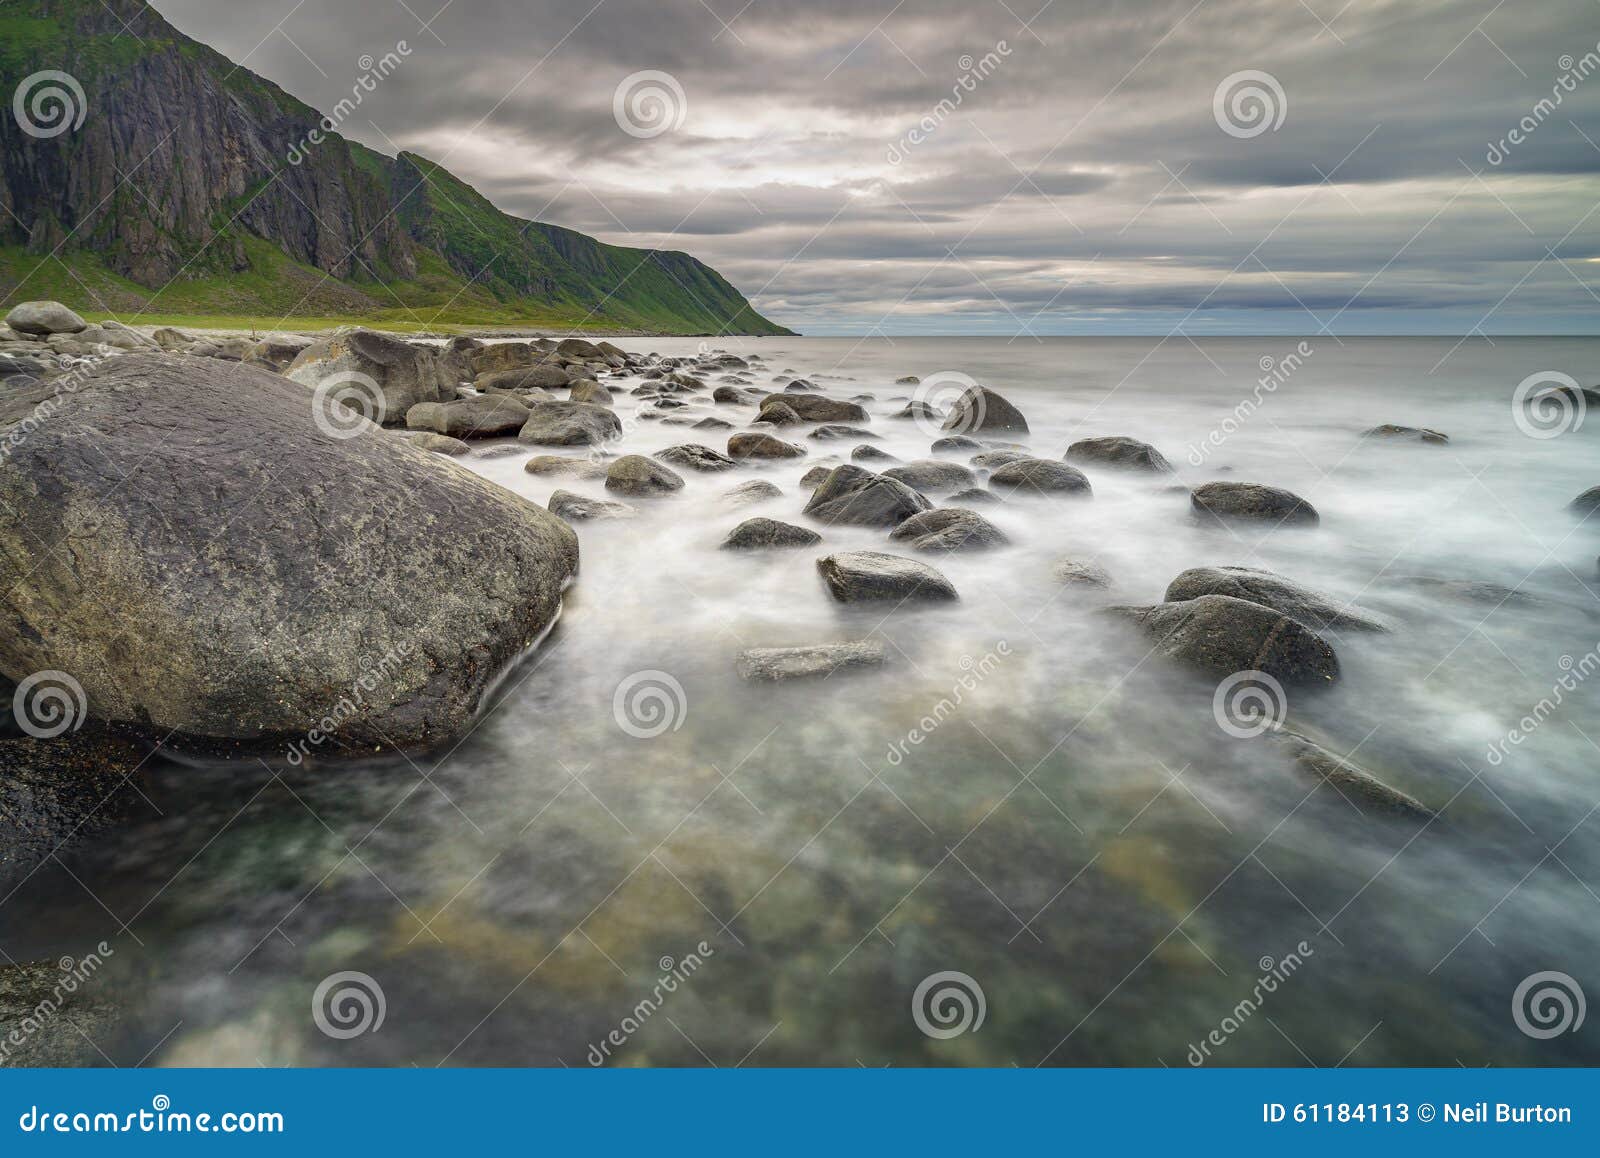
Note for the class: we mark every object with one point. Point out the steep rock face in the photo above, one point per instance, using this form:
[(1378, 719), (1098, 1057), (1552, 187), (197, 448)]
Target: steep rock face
[(174, 143)]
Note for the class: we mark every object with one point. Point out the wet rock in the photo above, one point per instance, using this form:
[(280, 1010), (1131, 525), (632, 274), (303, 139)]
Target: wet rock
[(1117, 451), (823, 659), (634, 474), (994, 459), (275, 354), (1356, 784), (588, 390), (852, 495), (1309, 607), (931, 474), (734, 396), (949, 529), (871, 454), (436, 443), (1221, 635), (956, 444), (1236, 500), (920, 411), (405, 374), (755, 491), (62, 790), (908, 380), (1039, 476), (1394, 433), (816, 476), (692, 456), (580, 349), (576, 508), (765, 534), (1587, 503), (560, 464), (712, 424), (49, 1024), (832, 432), (44, 318), (815, 408), (981, 408), (869, 576), (974, 495), (779, 414), (203, 607), (523, 378), (485, 416), (1080, 573), (762, 446), (569, 424)]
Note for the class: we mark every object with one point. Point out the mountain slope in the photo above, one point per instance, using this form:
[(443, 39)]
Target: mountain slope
[(177, 194)]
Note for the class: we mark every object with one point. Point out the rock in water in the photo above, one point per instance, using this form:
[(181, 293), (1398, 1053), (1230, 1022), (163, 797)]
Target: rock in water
[(524, 378), (634, 474), (44, 318), (994, 459), (1407, 434), (871, 454), (569, 424), (237, 572), (1355, 784), (853, 495), (949, 529), (1237, 500), (1080, 573), (1587, 503), (762, 534), (815, 408), (438, 443), (863, 576), (485, 416), (576, 508), (1222, 635), (762, 446), (932, 474), (405, 374), (1040, 476), (980, 408), (692, 456), (560, 464), (755, 491), (588, 390), (1311, 608), (1127, 453), (823, 659)]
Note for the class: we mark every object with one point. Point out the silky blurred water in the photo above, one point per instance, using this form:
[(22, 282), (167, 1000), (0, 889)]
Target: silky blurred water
[(1075, 833)]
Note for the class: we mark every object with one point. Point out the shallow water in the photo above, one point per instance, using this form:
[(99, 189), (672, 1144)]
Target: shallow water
[(1075, 833)]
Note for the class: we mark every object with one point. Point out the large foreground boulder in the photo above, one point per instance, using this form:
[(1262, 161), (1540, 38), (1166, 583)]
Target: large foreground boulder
[(980, 408), (403, 373), (202, 554), (854, 496), (44, 318), (1221, 635)]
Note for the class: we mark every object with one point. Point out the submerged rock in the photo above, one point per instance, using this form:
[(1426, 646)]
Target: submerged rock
[(255, 627), (763, 446), (1040, 476), (576, 508), (569, 424), (864, 576), (1587, 503), (833, 432), (634, 474), (956, 444), (1407, 434), (823, 659), (1221, 635), (763, 534), (949, 529), (855, 496), (1310, 607), (561, 464), (755, 491), (437, 443), (932, 474), (1356, 784), (871, 454), (63, 790), (692, 456), (981, 408), (974, 495), (1117, 451), (815, 408), (920, 411), (1080, 573), (1237, 500)]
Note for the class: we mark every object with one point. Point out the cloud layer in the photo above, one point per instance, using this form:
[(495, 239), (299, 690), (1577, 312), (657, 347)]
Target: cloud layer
[(1388, 166)]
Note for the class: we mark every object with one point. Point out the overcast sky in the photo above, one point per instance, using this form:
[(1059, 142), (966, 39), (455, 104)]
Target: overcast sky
[(1086, 178)]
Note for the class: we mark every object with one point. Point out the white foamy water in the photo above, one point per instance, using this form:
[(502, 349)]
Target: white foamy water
[(1072, 831)]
